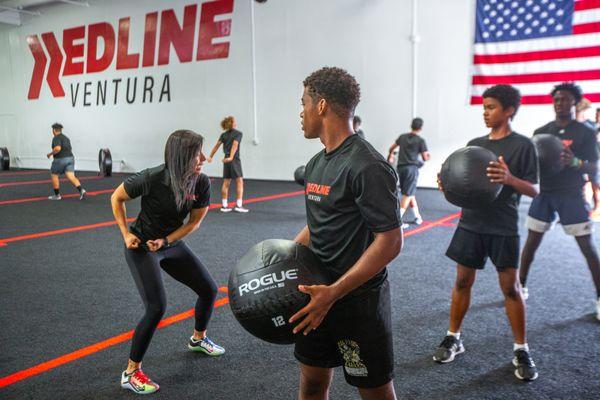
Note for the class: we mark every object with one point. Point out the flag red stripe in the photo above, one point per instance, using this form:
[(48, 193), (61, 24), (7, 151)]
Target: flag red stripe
[(591, 51), (537, 78), (539, 99), (583, 5), (590, 27)]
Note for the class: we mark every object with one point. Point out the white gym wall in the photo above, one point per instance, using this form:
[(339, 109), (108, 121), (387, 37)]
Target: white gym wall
[(369, 38)]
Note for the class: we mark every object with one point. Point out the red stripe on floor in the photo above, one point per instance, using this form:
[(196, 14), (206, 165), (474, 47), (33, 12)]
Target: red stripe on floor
[(95, 348), (47, 181)]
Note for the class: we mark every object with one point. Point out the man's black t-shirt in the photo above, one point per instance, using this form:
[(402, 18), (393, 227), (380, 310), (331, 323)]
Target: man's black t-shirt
[(360, 133), (227, 139), (410, 146), (159, 216), (583, 143), (502, 217), (350, 194), (65, 146)]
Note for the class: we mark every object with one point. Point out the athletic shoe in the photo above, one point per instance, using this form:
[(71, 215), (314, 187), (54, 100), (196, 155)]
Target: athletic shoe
[(240, 209), (55, 197), (598, 309), (526, 370), (418, 221), (82, 194), (225, 209), (138, 382), (449, 348), (524, 293), (405, 226), (206, 346)]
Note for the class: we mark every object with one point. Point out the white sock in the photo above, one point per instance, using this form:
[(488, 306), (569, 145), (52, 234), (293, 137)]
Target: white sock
[(455, 334), (224, 203), (523, 346), (239, 202)]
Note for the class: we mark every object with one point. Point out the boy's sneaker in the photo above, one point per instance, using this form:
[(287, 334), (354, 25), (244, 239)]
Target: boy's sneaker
[(449, 348), (205, 346), (82, 194), (418, 221), (55, 197), (138, 382), (524, 293), (240, 209), (526, 370), (225, 209)]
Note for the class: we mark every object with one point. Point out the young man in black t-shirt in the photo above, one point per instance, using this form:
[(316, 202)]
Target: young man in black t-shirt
[(562, 193), (353, 226), (492, 230), (231, 140), (411, 146), (63, 163)]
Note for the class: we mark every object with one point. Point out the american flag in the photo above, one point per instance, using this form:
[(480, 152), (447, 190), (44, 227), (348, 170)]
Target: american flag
[(535, 44)]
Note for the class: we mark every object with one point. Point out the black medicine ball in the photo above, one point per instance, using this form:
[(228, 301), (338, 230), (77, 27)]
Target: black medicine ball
[(263, 287), (299, 175), (464, 178), (549, 147)]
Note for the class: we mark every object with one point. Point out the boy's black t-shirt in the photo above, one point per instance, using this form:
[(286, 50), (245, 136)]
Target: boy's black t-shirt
[(159, 216), (410, 146), (227, 139), (502, 216), (583, 143), (65, 146), (350, 194)]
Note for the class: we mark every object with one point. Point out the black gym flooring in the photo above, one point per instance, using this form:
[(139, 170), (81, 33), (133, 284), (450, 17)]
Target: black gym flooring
[(67, 302)]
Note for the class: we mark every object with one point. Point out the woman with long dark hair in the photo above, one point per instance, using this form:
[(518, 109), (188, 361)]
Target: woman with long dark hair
[(170, 192)]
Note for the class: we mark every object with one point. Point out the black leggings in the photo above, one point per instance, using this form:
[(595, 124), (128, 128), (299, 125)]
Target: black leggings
[(182, 264)]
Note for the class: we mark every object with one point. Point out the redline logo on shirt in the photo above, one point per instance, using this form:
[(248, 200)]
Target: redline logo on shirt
[(81, 41), (567, 143), (314, 191)]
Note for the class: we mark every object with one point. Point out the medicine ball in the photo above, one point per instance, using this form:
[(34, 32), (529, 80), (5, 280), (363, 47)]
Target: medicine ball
[(464, 178), (299, 175), (549, 148), (263, 287)]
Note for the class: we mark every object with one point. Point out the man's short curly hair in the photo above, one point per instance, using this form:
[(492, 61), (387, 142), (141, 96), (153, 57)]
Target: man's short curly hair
[(507, 95), (337, 87), (571, 87)]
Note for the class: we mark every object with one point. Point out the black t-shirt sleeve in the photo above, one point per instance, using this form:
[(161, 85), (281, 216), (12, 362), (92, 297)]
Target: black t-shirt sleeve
[(590, 147), (398, 140), (528, 168), (138, 184), (222, 138), (375, 193), (238, 137), (422, 146), (56, 142), (202, 192)]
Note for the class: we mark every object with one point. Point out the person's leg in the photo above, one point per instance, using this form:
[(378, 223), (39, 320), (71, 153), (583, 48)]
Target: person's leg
[(415, 208), (533, 241), (587, 247), (314, 382), (184, 266), (404, 202), (513, 302), (461, 296), (73, 179), (239, 188), (225, 192), (384, 392), (55, 183)]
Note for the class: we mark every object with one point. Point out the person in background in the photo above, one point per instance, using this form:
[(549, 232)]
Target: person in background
[(63, 163), (356, 123)]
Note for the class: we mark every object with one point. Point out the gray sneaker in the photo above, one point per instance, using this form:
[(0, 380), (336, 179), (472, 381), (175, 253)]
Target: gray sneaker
[(205, 346), (55, 197), (525, 367), (82, 194), (448, 349), (241, 209)]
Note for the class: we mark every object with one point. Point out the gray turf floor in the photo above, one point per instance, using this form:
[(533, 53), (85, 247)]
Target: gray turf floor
[(64, 292)]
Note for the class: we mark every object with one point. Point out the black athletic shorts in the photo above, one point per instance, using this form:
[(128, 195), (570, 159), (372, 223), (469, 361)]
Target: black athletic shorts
[(473, 249), (356, 334), (408, 176), (232, 170)]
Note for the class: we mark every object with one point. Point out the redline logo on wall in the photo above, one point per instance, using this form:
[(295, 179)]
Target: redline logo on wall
[(171, 33)]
